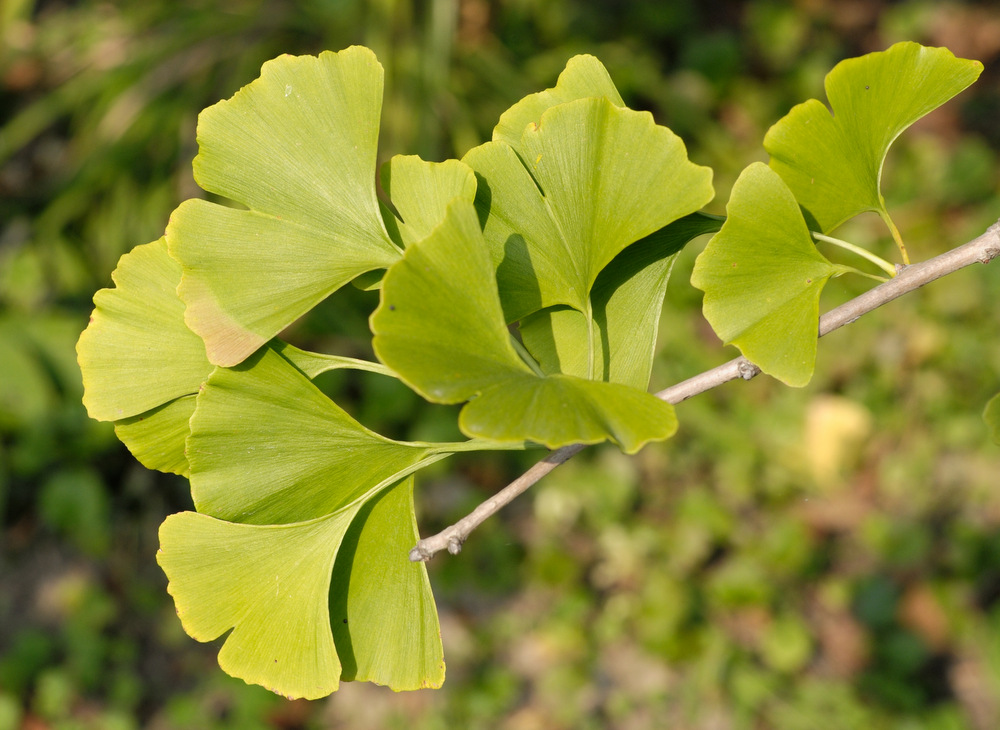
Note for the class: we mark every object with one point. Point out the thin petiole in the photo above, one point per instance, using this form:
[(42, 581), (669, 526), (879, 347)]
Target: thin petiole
[(863, 253), (589, 314), (895, 236), (859, 272), (526, 356), (475, 444)]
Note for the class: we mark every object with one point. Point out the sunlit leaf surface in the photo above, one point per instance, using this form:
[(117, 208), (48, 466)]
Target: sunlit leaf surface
[(135, 329), (587, 181), (627, 300), (762, 277), (440, 326), (421, 191), (583, 78), (385, 624), (270, 585), (267, 447), (298, 148), (312, 602), (832, 158), (157, 437)]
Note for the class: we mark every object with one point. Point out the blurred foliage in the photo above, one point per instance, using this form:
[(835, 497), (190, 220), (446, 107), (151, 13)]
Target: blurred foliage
[(817, 558)]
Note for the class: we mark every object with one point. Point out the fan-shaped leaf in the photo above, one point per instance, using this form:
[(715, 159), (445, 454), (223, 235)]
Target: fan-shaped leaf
[(762, 277), (440, 327), (833, 161), (309, 603), (297, 147), (627, 299), (294, 454), (135, 329), (583, 78), (385, 623), (421, 191), (157, 437), (593, 179), (270, 584)]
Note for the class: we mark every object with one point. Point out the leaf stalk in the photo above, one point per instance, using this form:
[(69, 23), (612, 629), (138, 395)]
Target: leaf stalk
[(863, 253)]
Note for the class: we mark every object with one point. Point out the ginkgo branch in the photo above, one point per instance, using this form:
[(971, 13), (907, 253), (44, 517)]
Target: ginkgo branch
[(982, 249)]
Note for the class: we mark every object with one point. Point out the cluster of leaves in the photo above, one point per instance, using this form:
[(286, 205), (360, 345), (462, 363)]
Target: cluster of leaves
[(525, 280)]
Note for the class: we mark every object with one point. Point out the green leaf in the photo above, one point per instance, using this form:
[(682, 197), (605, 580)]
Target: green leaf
[(420, 192), (762, 277), (294, 453), (309, 603), (270, 584), (157, 437), (560, 409), (142, 366), (593, 179), (297, 147), (992, 416), (136, 354), (627, 300), (387, 610), (440, 326), (584, 77), (833, 161)]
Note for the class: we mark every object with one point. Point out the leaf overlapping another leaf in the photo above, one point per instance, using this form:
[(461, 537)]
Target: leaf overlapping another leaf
[(584, 183), (297, 147), (832, 159), (627, 300), (441, 327), (271, 584), (315, 498), (294, 453), (762, 277), (584, 77), (136, 327)]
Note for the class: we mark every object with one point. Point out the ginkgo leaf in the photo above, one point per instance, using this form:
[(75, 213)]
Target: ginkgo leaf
[(381, 605), (591, 178), (627, 298), (135, 329), (156, 438), (832, 158), (420, 192), (294, 453), (440, 326), (992, 416), (762, 277), (584, 77), (309, 603), (558, 410), (297, 147), (270, 584)]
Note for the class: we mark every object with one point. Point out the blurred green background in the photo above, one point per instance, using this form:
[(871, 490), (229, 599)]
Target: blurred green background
[(818, 558)]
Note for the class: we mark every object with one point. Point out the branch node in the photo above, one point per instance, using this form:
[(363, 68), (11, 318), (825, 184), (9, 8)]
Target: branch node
[(747, 370), (455, 544), (419, 554)]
